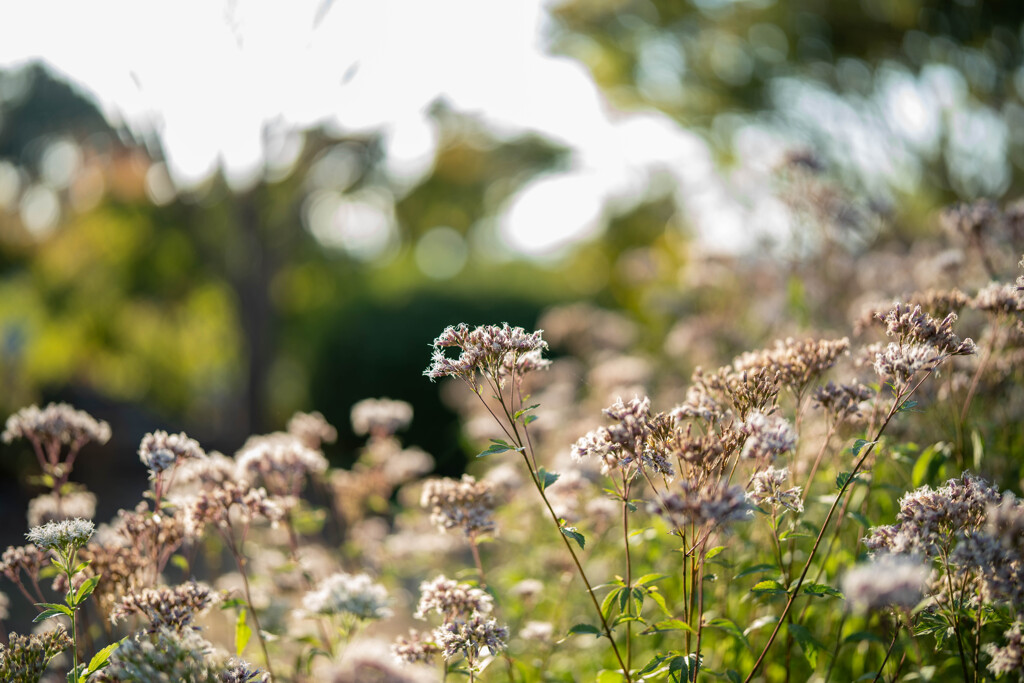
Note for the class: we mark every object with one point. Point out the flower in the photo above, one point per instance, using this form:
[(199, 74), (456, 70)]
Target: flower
[(465, 504), (885, 581), (57, 421), (160, 451), (491, 350), (767, 488), (69, 534), (451, 599), (768, 436), (174, 608), (380, 416), (355, 595)]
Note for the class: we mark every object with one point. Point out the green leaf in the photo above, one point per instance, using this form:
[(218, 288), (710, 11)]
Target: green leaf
[(679, 669), (181, 562), (668, 625), (231, 603), (585, 629), (845, 478), (496, 448), (529, 419), (821, 590), (659, 600), (63, 609), (977, 448), (652, 665), (734, 676), (859, 445), (574, 535), (47, 614), (768, 587), (756, 569), (86, 589), (519, 413), (908, 407), (793, 533), (609, 676), (242, 633), (714, 551), (100, 660), (807, 642), (928, 464), (81, 566), (547, 478), (730, 627), (609, 601), (648, 578)]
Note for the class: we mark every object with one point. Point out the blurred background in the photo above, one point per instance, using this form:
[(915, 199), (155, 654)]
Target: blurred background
[(215, 213)]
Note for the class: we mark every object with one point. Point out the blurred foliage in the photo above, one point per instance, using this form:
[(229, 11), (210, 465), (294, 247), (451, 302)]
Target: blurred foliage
[(223, 309)]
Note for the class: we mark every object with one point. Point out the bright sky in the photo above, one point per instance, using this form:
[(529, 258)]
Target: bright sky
[(210, 75)]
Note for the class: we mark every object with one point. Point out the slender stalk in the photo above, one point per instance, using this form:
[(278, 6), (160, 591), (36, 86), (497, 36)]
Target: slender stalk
[(513, 433), (476, 560), (240, 563), (888, 653), (901, 396), (700, 609), (629, 571)]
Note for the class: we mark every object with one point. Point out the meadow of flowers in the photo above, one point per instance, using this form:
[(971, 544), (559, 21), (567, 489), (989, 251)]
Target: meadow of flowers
[(835, 505)]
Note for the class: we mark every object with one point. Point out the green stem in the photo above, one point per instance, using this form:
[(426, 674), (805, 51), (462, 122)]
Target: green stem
[(901, 396)]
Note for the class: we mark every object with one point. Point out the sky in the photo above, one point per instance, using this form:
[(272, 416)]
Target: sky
[(230, 81), (226, 81)]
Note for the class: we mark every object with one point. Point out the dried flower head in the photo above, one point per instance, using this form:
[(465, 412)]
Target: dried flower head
[(887, 580), (27, 559), (63, 536), (841, 401), (238, 671), (380, 416), (1008, 658), (471, 636), (766, 488), (465, 504), (57, 422), (220, 505), (636, 438), (159, 451), (312, 429), (25, 658), (280, 461), (912, 326), (931, 521), (490, 350), (354, 595), (703, 505), (970, 219), (899, 363), (794, 363), (165, 656), (415, 648), (451, 599), (174, 608), (768, 436), (50, 507), (998, 297)]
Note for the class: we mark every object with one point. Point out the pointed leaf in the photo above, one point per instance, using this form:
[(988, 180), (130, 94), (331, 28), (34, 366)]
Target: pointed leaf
[(547, 478), (730, 627), (574, 535), (808, 643), (47, 614), (580, 629), (86, 589), (756, 569), (668, 625), (242, 633), (859, 445)]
